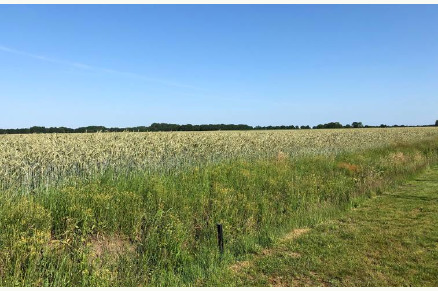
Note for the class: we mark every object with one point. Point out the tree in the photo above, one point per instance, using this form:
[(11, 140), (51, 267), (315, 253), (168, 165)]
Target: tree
[(357, 124), (333, 125), (436, 123), (37, 129)]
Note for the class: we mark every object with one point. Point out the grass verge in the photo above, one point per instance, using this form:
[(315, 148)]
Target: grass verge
[(391, 240)]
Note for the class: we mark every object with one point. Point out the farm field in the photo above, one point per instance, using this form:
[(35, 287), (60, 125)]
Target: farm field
[(140, 209), (31, 161)]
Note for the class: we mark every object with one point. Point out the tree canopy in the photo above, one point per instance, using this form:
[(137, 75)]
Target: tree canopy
[(184, 127)]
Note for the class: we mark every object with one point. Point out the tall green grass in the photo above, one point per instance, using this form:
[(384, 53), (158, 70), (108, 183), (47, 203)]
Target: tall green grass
[(151, 229)]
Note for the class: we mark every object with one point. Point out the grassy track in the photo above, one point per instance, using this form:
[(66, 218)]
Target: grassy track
[(391, 240)]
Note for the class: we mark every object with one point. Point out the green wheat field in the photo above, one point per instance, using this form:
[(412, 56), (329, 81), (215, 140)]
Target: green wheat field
[(140, 209)]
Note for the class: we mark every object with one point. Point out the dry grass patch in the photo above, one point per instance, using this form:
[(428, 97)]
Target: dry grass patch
[(281, 156), (237, 267), (398, 158), (349, 167), (295, 234), (294, 254), (112, 246), (277, 282)]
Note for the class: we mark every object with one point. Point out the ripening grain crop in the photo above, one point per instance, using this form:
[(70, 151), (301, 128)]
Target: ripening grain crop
[(31, 161)]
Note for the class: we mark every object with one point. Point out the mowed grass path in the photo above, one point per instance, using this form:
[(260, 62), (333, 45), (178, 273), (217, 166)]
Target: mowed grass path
[(389, 240)]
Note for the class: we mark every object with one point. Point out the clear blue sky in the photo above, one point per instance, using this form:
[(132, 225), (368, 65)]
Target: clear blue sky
[(121, 65)]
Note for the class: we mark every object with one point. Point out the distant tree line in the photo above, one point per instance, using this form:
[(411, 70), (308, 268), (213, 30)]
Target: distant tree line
[(360, 125), (185, 127)]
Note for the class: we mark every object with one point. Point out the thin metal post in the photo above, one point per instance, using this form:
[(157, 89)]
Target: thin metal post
[(220, 238)]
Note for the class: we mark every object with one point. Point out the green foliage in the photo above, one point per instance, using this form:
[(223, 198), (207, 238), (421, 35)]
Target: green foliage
[(154, 127), (24, 237), (329, 125), (388, 241), (357, 124), (158, 229), (92, 209)]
